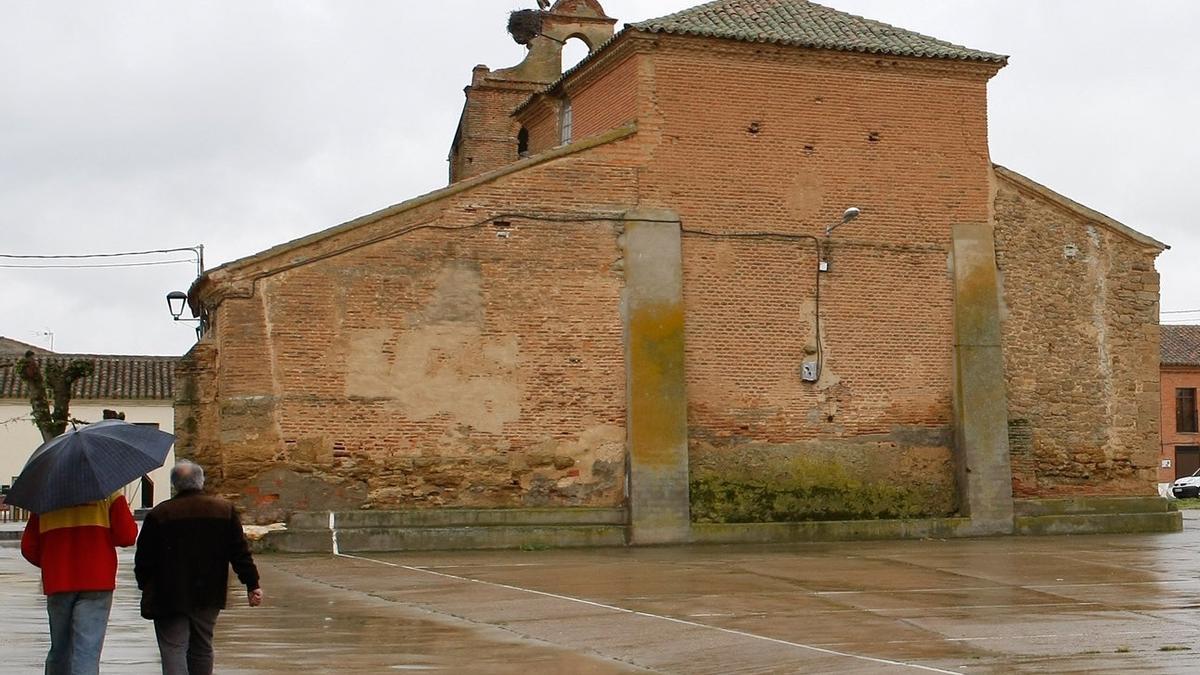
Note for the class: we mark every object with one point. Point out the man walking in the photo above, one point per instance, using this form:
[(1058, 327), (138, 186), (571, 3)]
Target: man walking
[(75, 548), (182, 567)]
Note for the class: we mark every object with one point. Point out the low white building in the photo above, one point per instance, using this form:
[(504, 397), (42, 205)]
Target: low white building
[(141, 387)]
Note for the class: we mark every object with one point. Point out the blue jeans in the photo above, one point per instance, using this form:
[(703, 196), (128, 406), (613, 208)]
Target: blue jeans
[(77, 625)]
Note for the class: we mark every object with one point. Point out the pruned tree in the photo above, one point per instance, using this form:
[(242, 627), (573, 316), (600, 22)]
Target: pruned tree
[(48, 384)]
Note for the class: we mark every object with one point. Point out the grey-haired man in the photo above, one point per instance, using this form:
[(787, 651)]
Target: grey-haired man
[(182, 565)]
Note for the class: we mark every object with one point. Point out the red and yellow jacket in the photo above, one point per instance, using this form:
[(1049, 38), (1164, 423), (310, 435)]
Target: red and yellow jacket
[(74, 546)]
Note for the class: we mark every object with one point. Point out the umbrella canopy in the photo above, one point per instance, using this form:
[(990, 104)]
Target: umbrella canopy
[(88, 464)]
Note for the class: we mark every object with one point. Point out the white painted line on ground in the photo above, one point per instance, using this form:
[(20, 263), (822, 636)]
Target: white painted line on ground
[(1040, 636), (489, 565), (660, 617), (925, 611), (956, 589), (333, 532), (951, 608)]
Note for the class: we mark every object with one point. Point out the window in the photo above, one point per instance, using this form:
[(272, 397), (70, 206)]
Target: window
[(1185, 410), (565, 121), (523, 142)]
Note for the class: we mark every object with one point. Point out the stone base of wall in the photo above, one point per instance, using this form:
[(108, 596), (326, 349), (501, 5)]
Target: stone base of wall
[(1090, 515), (449, 529)]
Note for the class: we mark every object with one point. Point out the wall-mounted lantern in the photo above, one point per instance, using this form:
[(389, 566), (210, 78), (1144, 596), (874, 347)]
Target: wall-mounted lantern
[(176, 301)]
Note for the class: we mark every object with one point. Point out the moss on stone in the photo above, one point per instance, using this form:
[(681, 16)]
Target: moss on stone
[(806, 491)]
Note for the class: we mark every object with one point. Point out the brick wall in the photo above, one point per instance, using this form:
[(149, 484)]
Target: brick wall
[(459, 368), (488, 131), (751, 138), (1174, 377), (543, 126), (1081, 348), (607, 101), (601, 102), (437, 368)]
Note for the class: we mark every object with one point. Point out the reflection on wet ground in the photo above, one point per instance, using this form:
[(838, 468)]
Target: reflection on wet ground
[(1095, 604), (304, 627), (310, 626)]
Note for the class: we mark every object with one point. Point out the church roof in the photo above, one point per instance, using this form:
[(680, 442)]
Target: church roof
[(796, 23), (806, 24)]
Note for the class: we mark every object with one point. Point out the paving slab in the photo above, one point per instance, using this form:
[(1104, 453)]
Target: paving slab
[(1082, 604)]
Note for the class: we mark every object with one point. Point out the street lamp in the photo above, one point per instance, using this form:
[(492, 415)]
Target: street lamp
[(176, 300), (847, 216), (823, 249)]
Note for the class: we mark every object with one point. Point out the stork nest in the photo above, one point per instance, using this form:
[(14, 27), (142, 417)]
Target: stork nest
[(525, 24)]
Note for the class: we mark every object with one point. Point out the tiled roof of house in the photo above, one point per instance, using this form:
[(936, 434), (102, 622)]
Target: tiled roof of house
[(806, 24), (115, 377), (1180, 345)]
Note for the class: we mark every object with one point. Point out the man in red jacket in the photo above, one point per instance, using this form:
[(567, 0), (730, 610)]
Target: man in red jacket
[(75, 549)]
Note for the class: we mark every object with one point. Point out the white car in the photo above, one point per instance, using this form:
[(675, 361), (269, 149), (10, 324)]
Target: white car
[(1188, 486)]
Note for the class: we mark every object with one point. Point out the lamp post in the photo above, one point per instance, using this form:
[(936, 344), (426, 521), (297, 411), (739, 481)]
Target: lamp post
[(177, 300), (847, 216)]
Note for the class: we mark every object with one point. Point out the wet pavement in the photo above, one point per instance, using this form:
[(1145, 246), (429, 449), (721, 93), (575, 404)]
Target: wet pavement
[(1094, 604)]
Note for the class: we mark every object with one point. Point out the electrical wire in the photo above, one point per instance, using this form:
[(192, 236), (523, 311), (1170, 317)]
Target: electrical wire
[(570, 218), (1181, 311), (95, 266), (784, 236), (430, 225), (98, 255)]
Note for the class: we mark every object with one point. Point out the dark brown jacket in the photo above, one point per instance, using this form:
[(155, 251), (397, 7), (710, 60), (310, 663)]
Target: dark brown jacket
[(184, 552)]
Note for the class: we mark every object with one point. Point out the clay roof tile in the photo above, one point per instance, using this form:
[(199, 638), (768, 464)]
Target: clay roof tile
[(807, 24)]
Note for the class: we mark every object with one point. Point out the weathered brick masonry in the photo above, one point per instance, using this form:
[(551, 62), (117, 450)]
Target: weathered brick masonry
[(468, 348), (799, 136), (465, 365), (1180, 373)]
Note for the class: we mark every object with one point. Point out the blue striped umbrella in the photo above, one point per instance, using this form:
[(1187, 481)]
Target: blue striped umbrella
[(88, 464)]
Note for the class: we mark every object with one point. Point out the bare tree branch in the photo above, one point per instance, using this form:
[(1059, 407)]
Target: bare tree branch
[(51, 381)]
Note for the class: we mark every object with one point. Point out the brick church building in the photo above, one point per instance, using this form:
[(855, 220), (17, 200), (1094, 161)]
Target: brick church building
[(746, 263)]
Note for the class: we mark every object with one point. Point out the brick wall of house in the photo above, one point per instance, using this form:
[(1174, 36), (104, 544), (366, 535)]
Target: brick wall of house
[(1172, 378), (543, 126), (436, 368), (605, 101), (753, 138), (1081, 351)]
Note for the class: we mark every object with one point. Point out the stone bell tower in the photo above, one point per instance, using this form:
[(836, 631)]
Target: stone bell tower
[(486, 138)]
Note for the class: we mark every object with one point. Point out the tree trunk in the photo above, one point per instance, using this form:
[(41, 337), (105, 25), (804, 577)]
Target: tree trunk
[(52, 380)]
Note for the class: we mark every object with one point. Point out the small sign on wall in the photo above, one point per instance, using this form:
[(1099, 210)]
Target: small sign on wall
[(1166, 464)]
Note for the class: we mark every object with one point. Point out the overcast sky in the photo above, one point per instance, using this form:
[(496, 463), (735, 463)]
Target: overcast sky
[(242, 124)]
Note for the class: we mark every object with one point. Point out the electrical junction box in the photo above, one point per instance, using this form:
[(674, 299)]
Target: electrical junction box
[(808, 371)]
